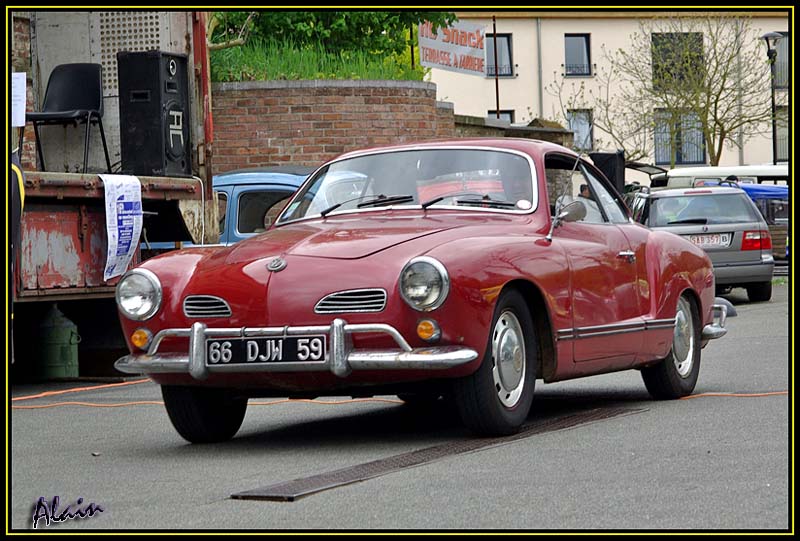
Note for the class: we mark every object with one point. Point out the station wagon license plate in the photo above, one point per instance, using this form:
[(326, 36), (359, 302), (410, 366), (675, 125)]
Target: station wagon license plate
[(711, 239), (266, 350)]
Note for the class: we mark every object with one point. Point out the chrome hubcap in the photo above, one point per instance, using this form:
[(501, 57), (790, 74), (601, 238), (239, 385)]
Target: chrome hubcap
[(683, 340), (508, 359)]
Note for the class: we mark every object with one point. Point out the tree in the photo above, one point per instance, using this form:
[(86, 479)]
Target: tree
[(694, 84), (380, 32)]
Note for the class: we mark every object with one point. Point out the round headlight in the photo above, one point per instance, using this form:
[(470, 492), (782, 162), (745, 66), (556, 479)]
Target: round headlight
[(424, 283), (139, 294)]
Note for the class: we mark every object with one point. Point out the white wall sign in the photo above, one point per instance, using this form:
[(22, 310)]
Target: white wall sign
[(18, 99), (459, 47)]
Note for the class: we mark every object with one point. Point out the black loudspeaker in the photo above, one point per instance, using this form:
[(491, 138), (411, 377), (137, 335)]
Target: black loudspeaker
[(154, 114), (612, 165)]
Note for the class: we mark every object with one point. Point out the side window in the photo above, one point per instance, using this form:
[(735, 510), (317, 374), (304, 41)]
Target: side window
[(612, 206), (254, 207), (222, 210), (639, 209)]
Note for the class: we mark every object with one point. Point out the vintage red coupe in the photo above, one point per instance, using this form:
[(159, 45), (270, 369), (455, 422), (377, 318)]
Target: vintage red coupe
[(466, 269)]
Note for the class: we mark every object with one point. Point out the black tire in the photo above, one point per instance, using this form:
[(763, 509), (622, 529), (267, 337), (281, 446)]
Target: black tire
[(676, 375), (202, 415), (485, 405), (759, 292)]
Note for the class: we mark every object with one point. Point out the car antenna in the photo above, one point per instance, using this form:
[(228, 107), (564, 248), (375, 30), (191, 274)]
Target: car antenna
[(555, 221)]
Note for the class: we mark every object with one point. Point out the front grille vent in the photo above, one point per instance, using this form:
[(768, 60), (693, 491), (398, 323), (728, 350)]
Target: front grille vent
[(353, 300), (205, 307)]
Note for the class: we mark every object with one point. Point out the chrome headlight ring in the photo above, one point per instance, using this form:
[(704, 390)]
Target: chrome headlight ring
[(424, 283), (139, 294)]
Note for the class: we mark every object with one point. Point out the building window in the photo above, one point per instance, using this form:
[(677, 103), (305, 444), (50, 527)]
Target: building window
[(504, 58), (677, 59), (580, 122), (505, 114), (782, 129), (679, 134), (577, 55), (782, 62)]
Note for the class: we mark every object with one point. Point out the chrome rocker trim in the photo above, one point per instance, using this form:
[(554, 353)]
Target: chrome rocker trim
[(342, 359), (716, 329)]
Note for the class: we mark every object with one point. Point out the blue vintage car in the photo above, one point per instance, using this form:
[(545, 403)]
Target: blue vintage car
[(249, 201)]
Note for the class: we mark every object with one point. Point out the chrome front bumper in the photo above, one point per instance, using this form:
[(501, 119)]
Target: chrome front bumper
[(716, 329), (341, 358)]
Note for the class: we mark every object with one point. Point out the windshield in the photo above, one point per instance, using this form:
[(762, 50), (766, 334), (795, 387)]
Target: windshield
[(704, 209), (474, 179)]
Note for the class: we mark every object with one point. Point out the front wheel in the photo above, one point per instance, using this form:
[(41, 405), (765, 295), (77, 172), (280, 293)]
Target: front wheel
[(203, 415), (676, 375), (495, 400)]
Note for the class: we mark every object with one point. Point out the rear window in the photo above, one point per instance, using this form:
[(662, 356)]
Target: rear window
[(706, 209)]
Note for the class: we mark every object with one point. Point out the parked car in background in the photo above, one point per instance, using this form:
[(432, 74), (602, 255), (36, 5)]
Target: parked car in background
[(249, 200), (427, 270), (723, 221)]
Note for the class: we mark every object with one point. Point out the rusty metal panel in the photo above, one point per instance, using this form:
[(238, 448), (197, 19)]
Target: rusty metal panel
[(63, 247)]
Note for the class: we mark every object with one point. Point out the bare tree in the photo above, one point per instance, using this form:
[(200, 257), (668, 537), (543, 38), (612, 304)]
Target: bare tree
[(694, 84)]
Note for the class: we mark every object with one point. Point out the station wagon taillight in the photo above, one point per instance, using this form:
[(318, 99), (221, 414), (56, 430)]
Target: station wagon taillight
[(756, 240)]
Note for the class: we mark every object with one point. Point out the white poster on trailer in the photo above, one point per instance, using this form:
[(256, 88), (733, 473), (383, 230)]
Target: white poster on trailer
[(123, 221)]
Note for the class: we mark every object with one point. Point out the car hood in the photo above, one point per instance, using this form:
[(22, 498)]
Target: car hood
[(336, 238)]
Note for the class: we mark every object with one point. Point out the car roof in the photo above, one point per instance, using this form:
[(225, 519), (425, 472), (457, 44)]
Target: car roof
[(280, 174), (528, 146), (699, 191), (724, 171)]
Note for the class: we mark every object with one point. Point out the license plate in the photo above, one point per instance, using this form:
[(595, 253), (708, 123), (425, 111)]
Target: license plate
[(711, 239), (266, 350)]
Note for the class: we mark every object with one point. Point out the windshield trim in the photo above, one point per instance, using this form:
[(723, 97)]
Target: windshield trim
[(417, 206)]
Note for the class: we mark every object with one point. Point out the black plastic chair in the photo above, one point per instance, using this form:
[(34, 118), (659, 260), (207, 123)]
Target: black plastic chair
[(74, 95)]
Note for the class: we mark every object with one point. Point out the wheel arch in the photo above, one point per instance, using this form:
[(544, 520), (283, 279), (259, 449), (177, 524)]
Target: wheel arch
[(540, 315)]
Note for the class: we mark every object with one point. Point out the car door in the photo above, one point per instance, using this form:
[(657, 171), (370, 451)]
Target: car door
[(606, 309)]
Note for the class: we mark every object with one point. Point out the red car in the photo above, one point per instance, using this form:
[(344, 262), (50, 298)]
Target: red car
[(466, 269)]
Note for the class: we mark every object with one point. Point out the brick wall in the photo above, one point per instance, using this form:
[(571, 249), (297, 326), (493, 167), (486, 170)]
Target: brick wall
[(307, 122), (21, 62)]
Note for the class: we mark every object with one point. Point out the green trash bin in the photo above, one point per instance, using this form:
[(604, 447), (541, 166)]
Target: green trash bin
[(58, 350)]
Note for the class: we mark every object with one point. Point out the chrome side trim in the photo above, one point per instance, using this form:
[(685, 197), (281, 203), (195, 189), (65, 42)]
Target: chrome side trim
[(341, 360), (614, 328)]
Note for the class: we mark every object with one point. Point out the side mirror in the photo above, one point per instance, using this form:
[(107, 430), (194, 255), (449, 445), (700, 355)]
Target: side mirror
[(571, 212)]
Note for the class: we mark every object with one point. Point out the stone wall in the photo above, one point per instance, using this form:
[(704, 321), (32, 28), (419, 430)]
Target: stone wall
[(307, 122), (21, 62)]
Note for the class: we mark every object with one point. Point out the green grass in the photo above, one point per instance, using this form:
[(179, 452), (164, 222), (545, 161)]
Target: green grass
[(273, 60)]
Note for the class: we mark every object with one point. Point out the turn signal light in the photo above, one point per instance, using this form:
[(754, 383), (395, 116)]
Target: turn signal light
[(141, 338), (756, 240), (428, 330)]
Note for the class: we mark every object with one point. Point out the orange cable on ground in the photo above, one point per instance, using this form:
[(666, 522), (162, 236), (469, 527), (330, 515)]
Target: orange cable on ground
[(78, 389), (159, 403), (736, 395)]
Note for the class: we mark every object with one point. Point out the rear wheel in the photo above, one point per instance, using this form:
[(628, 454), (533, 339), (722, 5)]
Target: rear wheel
[(676, 375), (203, 415), (759, 292), (495, 400)]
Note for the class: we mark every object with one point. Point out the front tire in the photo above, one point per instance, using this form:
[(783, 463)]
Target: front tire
[(759, 292), (202, 415), (495, 400), (676, 375)]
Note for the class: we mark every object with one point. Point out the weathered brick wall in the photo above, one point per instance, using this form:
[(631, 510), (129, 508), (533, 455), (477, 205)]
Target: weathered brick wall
[(21, 62), (307, 122)]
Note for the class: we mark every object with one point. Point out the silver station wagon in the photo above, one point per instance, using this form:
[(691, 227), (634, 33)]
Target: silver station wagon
[(725, 223)]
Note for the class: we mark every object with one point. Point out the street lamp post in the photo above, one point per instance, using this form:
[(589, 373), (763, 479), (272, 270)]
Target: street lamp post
[(772, 39)]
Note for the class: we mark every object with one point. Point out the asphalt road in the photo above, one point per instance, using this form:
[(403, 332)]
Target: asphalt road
[(717, 461)]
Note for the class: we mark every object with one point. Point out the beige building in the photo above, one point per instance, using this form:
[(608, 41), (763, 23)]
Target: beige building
[(551, 65)]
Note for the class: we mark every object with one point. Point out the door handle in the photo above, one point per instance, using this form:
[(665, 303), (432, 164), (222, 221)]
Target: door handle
[(628, 255)]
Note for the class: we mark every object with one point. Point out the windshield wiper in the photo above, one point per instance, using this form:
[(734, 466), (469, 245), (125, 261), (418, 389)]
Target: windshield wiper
[(485, 200), (380, 200), (690, 221), (383, 200)]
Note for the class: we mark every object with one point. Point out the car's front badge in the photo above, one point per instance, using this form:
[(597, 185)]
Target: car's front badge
[(276, 265)]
